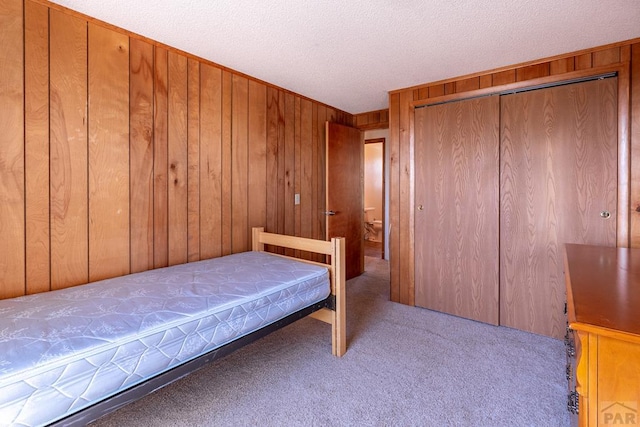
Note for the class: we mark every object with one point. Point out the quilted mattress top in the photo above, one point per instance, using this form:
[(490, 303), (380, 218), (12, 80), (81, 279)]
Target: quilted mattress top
[(44, 330)]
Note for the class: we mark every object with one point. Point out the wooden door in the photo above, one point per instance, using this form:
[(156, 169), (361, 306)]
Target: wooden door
[(558, 185), (456, 198), (345, 192)]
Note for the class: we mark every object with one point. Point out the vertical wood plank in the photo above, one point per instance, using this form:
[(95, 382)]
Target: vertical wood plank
[(36, 110), (486, 81), (297, 176), (177, 152), (467, 85), (141, 154), (160, 161), (623, 188), (258, 181), (561, 66), (406, 201), (423, 93), (282, 182), (239, 165), (272, 159), (108, 71), (193, 161), (394, 197), (290, 166), (306, 166), (449, 88), (606, 57), (634, 231), (436, 90), (320, 172), (226, 163), (504, 77), (68, 155), (211, 162), (12, 196), (315, 229), (583, 62), (532, 72)]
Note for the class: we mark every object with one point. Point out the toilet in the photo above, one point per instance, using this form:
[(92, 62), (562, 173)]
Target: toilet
[(372, 226)]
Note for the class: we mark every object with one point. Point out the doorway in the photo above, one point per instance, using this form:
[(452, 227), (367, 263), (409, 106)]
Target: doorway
[(376, 194)]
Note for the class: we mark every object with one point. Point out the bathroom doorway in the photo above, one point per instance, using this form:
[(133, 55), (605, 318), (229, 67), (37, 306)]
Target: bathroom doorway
[(374, 197)]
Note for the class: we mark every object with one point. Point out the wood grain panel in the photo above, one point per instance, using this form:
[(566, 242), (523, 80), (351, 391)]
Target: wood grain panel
[(457, 175), (12, 174), (486, 81), (297, 176), (68, 150), (449, 88), (618, 374), (240, 166), (141, 154), (258, 180), (394, 197), (282, 182), (320, 164), (211, 162), (315, 211), (406, 182), (634, 231), (532, 72), (583, 62), (193, 160), (272, 159), (36, 132), (226, 162), (160, 160), (606, 56), (559, 171), (466, 85), (306, 168), (560, 66), (178, 154), (289, 160), (434, 91), (504, 77), (108, 71), (345, 164)]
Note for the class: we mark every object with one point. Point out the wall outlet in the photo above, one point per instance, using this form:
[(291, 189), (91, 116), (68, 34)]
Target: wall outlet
[(296, 199)]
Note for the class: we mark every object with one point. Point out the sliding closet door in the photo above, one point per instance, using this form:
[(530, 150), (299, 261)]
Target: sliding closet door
[(558, 185), (456, 198)]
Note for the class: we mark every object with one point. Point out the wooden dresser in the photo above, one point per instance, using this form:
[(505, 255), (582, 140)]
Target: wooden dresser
[(603, 335)]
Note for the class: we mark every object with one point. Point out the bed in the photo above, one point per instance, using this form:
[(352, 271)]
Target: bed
[(68, 357)]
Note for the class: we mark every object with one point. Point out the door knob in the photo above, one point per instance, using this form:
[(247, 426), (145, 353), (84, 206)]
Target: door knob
[(330, 213), (420, 207), (605, 214)]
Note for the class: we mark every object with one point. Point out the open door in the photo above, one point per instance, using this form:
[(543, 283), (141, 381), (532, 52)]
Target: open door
[(345, 192)]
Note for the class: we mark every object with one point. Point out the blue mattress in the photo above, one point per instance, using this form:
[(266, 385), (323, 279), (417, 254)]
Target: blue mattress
[(64, 350)]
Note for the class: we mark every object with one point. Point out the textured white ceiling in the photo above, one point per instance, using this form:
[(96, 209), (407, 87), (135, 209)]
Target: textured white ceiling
[(350, 53)]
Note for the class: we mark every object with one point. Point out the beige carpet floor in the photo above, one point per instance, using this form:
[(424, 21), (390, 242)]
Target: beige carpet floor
[(405, 366)]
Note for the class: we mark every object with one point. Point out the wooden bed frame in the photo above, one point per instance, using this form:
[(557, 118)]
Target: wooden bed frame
[(331, 310)]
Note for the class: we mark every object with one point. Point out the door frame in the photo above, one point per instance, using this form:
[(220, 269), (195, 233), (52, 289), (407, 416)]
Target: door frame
[(623, 239), (383, 141)]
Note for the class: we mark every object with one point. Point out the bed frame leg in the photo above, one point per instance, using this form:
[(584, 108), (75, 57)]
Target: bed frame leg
[(339, 326)]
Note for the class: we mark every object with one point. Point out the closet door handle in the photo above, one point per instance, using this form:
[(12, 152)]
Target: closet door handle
[(330, 213), (605, 214)]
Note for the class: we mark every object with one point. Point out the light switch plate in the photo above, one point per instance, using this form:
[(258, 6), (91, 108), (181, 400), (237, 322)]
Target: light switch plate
[(296, 199)]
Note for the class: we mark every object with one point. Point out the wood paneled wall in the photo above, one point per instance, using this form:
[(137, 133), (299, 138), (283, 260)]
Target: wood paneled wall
[(625, 55), (378, 119), (119, 154)]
